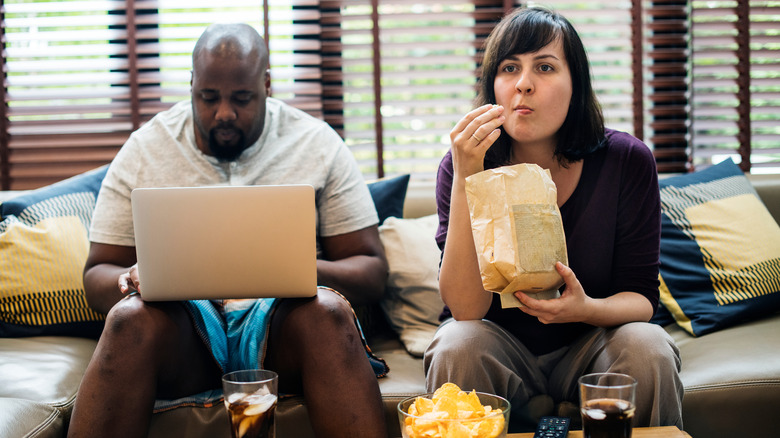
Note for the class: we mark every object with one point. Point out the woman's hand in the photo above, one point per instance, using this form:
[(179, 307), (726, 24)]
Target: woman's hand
[(472, 136), (570, 307), (576, 306), (128, 282)]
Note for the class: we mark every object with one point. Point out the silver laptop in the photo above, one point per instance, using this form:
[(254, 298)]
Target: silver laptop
[(225, 242)]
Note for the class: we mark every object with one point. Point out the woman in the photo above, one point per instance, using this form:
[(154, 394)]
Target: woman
[(537, 106)]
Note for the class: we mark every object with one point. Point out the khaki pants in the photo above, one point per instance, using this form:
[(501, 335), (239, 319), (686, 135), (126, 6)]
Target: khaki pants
[(481, 355)]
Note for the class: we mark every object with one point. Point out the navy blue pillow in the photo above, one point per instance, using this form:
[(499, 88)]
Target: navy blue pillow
[(389, 195), (43, 247), (720, 250), (87, 182), (662, 316)]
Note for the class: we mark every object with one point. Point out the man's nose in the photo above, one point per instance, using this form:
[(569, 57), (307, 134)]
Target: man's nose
[(225, 111)]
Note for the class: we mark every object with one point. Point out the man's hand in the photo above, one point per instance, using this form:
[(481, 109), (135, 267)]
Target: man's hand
[(128, 282), (110, 273)]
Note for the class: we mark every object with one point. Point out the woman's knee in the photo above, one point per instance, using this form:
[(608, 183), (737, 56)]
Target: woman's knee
[(458, 343), (649, 343)]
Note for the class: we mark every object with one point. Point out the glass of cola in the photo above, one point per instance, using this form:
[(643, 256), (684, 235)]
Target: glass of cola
[(607, 405), (250, 400)]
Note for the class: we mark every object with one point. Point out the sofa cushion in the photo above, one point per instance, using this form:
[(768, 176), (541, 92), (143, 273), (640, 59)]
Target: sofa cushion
[(43, 246), (194, 421), (731, 374), (720, 250), (44, 369), (31, 419), (389, 195), (412, 303)]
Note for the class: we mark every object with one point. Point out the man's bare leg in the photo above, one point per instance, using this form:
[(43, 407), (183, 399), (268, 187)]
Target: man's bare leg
[(147, 351), (316, 349)]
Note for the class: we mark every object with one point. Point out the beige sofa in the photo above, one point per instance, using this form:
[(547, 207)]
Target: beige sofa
[(732, 377)]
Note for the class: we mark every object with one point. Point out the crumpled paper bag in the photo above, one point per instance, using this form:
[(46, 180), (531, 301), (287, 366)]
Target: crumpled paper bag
[(517, 231)]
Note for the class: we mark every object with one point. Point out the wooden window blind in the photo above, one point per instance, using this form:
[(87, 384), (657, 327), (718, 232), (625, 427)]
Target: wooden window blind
[(697, 81), (64, 88), (736, 83), (409, 72), (82, 75), (407, 75), (666, 30)]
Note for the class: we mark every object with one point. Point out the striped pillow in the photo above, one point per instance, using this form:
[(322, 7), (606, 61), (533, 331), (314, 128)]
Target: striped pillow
[(720, 250), (43, 246)]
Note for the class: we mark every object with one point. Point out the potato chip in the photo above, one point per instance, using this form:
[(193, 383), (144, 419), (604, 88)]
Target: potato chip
[(491, 427), (447, 405), (457, 430), (472, 402), (447, 390), (452, 413)]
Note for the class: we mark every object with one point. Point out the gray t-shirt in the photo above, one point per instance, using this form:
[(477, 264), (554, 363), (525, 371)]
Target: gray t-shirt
[(294, 148)]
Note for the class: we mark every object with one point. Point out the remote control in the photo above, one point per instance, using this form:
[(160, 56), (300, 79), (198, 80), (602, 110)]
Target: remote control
[(552, 427)]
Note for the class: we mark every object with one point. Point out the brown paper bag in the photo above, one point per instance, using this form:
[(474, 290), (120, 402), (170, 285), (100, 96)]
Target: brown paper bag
[(517, 231)]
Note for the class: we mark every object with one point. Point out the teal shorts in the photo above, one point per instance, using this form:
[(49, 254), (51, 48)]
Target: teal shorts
[(236, 332)]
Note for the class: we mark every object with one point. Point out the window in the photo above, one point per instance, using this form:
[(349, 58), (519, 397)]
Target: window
[(736, 83), (82, 75), (697, 81), (408, 76)]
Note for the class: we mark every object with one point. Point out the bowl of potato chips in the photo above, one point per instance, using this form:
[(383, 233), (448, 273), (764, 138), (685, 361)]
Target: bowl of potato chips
[(453, 413)]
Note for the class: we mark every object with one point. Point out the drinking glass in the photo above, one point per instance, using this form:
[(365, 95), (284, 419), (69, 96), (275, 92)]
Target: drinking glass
[(607, 405), (250, 400)]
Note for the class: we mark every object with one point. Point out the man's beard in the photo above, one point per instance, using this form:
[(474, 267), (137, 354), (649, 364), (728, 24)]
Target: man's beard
[(229, 152)]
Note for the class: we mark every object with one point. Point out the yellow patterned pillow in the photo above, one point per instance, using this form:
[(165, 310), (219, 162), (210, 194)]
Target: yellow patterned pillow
[(43, 246), (720, 250)]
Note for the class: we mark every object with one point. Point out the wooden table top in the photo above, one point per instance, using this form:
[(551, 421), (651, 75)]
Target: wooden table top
[(638, 432)]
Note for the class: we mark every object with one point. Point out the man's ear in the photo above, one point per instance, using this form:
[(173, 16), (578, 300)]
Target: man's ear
[(268, 82)]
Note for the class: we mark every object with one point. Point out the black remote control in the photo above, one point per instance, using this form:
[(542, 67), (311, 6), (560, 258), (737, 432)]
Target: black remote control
[(552, 427)]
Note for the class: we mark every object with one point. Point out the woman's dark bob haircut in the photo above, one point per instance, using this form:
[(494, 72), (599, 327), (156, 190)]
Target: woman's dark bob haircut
[(527, 30)]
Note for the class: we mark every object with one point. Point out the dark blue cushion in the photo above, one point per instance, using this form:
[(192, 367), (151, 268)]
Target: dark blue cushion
[(44, 242), (720, 250), (389, 195), (87, 182)]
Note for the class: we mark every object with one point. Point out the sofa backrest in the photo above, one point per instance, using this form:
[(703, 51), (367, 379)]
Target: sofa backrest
[(768, 188), (420, 196)]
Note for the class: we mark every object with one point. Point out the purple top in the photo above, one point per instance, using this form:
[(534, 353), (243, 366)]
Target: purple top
[(612, 223)]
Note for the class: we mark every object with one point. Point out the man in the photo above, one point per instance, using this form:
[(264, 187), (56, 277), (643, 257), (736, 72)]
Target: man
[(233, 134)]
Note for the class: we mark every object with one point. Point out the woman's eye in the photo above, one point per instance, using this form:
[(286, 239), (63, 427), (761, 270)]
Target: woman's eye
[(546, 67), (509, 68)]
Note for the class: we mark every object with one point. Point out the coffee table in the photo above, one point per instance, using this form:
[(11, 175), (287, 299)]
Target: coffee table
[(638, 432)]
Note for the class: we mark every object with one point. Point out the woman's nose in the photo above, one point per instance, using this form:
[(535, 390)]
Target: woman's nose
[(524, 83)]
